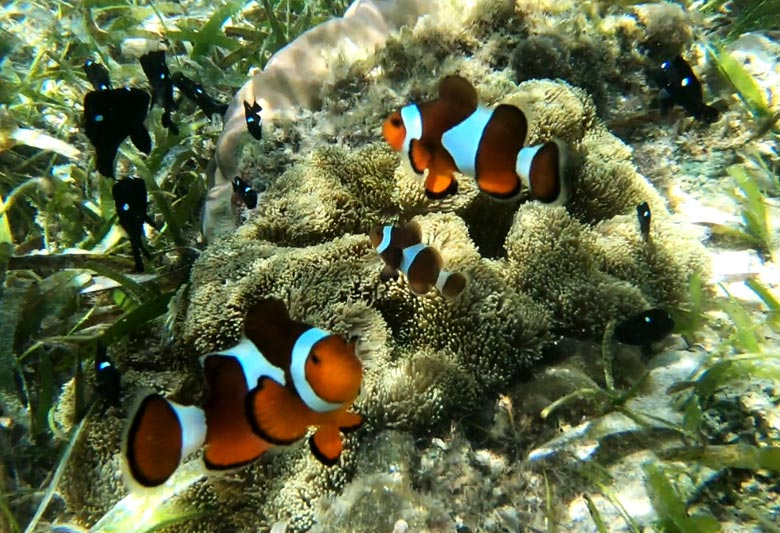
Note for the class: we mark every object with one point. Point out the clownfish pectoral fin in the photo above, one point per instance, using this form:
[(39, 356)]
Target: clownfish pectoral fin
[(349, 422), (326, 445), (458, 90), (419, 156), (451, 284), (392, 257), (160, 434), (276, 414), (543, 170), (440, 184), (388, 273)]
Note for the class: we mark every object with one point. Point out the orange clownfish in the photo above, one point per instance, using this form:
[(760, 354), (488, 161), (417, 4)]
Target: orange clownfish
[(454, 133), (401, 249), (282, 377)]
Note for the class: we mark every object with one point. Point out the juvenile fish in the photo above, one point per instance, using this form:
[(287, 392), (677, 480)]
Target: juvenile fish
[(110, 116), (195, 92), (97, 75), (156, 70), (131, 203), (644, 328), (680, 86), (253, 119)]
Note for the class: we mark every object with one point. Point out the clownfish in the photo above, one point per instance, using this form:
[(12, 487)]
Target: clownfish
[(454, 133), (401, 249), (281, 378)]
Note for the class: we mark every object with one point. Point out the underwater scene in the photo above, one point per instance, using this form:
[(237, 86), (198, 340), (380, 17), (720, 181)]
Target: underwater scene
[(390, 266)]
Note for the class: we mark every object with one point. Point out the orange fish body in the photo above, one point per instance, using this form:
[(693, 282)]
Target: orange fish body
[(281, 378), (485, 143)]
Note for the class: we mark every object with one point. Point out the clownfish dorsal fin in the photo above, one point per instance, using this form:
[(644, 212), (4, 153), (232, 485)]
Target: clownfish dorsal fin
[(458, 90), (276, 415), (266, 321), (414, 230)]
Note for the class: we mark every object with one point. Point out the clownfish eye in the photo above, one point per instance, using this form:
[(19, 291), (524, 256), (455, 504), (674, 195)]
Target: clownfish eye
[(396, 122), (315, 359)]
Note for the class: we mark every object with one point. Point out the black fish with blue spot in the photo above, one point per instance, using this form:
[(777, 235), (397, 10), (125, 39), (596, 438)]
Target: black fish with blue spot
[(195, 92), (680, 86), (131, 204), (244, 191), (645, 328), (97, 75), (107, 376), (111, 115), (156, 70), (643, 215), (253, 119)]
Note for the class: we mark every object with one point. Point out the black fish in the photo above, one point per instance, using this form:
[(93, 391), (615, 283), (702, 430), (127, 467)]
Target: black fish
[(107, 376), (680, 86), (159, 77), (645, 328), (194, 91), (253, 119), (109, 117), (131, 202), (245, 192), (643, 215), (97, 75)]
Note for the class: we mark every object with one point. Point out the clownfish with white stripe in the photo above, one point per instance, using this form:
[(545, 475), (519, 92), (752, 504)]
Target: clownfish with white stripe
[(402, 250), (283, 377), (453, 133)]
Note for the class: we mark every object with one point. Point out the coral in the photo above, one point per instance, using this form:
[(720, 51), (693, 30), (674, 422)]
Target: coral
[(600, 54), (345, 192)]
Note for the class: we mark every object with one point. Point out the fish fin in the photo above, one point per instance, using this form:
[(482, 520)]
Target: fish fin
[(388, 273), (440, 181), (349, 422), (451, 284), (137, 248), (543, 168), (276, 414), (326, 444), (139, 135), (159, 435), (419, 156), (415, 232), (458, 90)]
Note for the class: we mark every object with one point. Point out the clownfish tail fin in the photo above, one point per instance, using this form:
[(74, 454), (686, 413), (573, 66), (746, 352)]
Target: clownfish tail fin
[(160, 433), (542, 168), (451, 284)]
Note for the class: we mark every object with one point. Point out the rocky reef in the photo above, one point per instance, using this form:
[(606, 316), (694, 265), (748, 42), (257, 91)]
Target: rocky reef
[(535, 273)]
